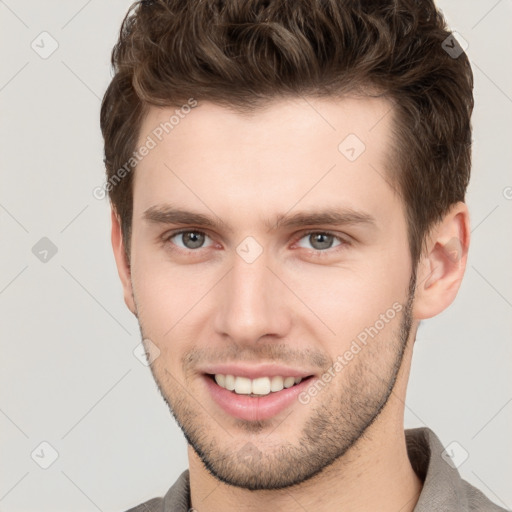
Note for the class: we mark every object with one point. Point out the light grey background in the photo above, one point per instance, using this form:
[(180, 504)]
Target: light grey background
[(68, 373)]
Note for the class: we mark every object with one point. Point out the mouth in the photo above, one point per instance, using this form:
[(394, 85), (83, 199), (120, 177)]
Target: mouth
[(256, 399), (261, 386)]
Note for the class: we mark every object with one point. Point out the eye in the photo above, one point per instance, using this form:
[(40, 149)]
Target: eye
[(320, 240), (188, 239)]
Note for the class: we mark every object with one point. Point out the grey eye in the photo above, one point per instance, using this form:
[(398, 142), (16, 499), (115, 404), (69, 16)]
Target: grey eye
[(189, 239), (320, 241)]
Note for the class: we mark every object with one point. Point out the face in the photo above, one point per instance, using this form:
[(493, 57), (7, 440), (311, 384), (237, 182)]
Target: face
[(269, 254)]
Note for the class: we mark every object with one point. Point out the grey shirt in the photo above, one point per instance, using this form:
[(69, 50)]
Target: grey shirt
[(443, 488)]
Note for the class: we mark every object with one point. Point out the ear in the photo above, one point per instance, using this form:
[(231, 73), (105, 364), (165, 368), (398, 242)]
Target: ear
[(123, 266), (442, 265)]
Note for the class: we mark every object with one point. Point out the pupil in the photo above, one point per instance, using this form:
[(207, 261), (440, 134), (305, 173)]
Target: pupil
[(321, 240), (193, 240)]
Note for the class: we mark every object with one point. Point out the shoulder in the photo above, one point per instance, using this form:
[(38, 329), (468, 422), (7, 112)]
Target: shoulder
[(477, 501), (443, 487), (153, 505), (177, 498)]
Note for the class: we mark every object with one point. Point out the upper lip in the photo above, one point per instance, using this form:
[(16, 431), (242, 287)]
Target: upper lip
[(255, 371)]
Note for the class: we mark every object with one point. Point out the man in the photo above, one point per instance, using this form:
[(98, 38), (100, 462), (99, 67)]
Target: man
[(287, 183)]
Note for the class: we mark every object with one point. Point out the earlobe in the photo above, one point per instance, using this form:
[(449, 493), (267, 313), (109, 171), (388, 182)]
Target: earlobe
[(123, 266), (441, 268)]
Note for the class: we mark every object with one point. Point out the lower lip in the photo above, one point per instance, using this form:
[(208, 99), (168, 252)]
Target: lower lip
[(255, 408)]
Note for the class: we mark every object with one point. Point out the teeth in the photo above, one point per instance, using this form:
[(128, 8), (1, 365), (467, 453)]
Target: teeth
[(243, 386), (276, 384), (229, 382), (261, 386), (289, 382)]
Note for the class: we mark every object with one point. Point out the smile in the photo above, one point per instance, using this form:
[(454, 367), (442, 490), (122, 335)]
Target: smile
[(255, 399), (260, 386)]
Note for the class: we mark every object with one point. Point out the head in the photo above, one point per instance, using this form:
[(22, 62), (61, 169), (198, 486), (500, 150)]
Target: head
[(324, 150)]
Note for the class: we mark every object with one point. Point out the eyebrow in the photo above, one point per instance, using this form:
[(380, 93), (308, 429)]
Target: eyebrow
[(334, 217), (169, 215), (166, 214)]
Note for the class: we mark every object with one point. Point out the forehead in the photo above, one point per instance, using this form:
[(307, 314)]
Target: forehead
[(287, 121), (296, 150)]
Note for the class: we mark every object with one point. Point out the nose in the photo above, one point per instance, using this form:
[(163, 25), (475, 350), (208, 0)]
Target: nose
[(252, 303)]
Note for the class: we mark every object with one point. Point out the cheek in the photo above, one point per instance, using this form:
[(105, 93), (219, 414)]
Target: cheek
[(168, 296), (346, 301)]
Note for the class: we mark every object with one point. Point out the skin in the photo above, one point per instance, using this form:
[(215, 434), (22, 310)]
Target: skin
[(298, 303)]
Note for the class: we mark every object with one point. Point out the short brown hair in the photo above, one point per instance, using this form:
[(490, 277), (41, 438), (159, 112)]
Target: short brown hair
[(243, 53)]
